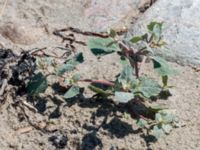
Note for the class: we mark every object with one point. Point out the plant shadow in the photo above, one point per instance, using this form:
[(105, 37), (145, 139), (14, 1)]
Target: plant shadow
[(116, 127)]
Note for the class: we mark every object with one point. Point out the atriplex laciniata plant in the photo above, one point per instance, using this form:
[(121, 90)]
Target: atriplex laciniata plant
[(130, 85)]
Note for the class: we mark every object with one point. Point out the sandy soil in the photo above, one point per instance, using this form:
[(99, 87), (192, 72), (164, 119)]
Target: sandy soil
[(82, 122)]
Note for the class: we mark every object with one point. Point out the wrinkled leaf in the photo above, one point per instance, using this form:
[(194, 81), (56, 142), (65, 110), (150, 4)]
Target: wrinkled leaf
[(123, 97), (102, 46), (149, 87), (161, 67), (37, 85), (72, 92)]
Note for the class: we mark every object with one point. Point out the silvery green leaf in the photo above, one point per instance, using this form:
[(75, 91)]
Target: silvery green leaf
[(65, 68), (151, 27), (102, 46), (158, 131), (72, 92), (126, 78), (149, 87), (70, 64), (167, 128), (123, 97), (158, 117), (141, 123), (161, 67), (76, 78)]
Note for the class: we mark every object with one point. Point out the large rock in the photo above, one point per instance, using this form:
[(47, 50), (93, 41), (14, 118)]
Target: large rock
[(182, 20), (96, 15)]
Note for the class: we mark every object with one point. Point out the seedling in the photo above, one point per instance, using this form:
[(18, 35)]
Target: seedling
[(130, 86)]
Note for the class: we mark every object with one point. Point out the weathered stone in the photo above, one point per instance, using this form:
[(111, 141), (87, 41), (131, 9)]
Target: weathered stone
[(20, 34), (103, 13), (182, 33), (96, 15)]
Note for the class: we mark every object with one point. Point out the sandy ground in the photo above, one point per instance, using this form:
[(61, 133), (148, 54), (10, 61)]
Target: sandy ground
[(82, 121)]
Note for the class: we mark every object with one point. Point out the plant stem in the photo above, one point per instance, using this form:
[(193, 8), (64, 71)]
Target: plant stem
[(104, 82), (142, 65)]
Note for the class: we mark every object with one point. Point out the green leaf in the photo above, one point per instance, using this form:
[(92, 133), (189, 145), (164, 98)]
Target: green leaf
[(65, 68), (123, 97), (102, 46), (161, 67), (157, 31), (72, 92), (126, 74), (139, 38), (112, 33), (149, 87), (99, 91), (142, 123), (76, 78), (126, 79), (136, 39), (152, 25), (37, 85), (164, 81), (70, 64), (78, 58), (156, 108), (158, 131), (167, 117), (155, 28), (124, 61)]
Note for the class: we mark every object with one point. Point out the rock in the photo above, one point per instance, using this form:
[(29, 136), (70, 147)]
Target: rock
[(19, 34), (95, 15), (103, 13), (182, 31)]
